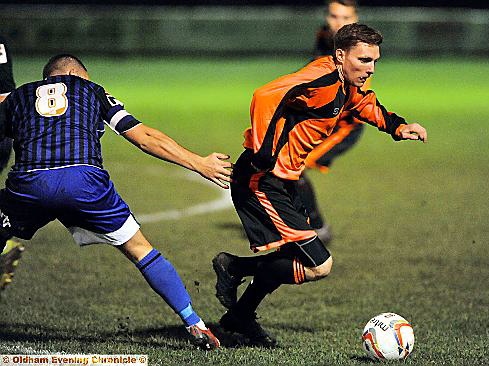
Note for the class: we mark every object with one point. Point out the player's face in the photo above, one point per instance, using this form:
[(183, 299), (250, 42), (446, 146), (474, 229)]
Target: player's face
[(340, 15), (358, 63)]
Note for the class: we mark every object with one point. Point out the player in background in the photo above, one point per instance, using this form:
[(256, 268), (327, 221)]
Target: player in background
[(346, 132), (337, 14), (13, 250), (56, 124), (291, 116)]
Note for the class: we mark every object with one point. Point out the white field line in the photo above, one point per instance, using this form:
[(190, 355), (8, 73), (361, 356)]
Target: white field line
[(221, 203), (21, 350)]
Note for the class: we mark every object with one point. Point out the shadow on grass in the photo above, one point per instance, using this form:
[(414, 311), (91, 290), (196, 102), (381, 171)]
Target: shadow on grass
[(294, 327), (232, 226), (363, 359), (235, 340), (169, 337)]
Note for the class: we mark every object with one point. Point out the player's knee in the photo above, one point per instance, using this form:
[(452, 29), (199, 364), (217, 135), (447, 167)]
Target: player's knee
[(137, 247), (321, 271)]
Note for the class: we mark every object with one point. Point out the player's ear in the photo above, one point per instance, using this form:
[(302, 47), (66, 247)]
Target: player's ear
[(340, 55)]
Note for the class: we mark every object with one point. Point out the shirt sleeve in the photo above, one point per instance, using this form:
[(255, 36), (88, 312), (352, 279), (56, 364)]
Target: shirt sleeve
[(365, 107), (114, 114)]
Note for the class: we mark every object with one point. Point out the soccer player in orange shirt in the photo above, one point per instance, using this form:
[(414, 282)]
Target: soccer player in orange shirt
[(290, 117), (347, 131)]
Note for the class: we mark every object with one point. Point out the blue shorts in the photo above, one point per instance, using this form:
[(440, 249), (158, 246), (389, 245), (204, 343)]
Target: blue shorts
[(82, 198)]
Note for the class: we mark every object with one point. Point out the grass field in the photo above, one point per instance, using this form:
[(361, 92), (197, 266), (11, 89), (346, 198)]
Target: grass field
[(409, 219)]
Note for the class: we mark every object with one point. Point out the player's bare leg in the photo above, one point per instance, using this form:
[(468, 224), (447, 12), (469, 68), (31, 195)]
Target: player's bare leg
[(165, 281)]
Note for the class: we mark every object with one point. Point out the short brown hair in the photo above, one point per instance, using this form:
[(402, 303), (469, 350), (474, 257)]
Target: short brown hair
[(351, 34), (60, 61), (352, 3)]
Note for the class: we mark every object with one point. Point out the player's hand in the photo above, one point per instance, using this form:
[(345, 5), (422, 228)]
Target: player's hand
[(413, 131), (215, 168)]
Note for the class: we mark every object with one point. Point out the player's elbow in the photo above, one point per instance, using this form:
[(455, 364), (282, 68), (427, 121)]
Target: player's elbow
[(142, 142), (142, 137)]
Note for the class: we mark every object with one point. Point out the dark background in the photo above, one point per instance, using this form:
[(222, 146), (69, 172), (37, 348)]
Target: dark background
[(433, 3)]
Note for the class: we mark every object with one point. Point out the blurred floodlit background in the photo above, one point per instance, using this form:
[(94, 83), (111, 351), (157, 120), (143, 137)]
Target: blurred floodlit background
[(232, 28)]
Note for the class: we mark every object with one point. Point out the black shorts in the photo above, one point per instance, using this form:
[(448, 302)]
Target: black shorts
[(311, 253), (270, 209)]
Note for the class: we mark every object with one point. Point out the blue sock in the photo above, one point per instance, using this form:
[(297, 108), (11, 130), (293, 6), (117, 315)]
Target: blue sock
[(165, 281)]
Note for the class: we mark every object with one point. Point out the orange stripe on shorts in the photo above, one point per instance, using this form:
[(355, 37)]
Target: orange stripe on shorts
[(288, 234)]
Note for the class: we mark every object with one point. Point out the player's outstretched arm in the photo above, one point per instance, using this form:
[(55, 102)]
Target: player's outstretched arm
[(413, 131), (365, 107), (154, 142)]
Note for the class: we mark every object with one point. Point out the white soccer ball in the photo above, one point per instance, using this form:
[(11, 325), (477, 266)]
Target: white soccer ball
[(388, 336)]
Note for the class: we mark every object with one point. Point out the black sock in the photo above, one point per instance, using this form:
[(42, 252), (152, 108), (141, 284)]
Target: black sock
[(248, 266), (271, 272), (244, 266), (252, 297), (308, 196)]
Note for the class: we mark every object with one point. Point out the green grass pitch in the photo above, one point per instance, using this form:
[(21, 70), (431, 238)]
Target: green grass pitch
[(410, 224)]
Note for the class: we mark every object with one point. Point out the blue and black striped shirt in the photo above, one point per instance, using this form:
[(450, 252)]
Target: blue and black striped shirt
[(59, 121)]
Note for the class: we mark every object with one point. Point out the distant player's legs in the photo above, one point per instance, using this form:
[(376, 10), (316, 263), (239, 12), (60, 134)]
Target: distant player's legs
[(306, 190), (165, 281), (317, 221), (343, 138)]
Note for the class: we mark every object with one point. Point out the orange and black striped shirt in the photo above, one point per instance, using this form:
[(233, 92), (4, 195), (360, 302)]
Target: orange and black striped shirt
[(293, 114)]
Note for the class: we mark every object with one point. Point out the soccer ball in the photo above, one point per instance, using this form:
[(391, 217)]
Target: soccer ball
[(388, 336)]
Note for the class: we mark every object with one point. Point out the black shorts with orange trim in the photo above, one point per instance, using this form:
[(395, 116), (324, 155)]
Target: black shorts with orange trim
[(311, 253), (269, 207)]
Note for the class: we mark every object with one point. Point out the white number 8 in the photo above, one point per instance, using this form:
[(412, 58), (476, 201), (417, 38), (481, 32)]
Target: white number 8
[(51, 100)]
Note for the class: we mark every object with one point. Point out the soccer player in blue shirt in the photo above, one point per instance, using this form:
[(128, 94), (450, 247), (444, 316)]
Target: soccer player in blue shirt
[(12, 252), (56, 125)]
